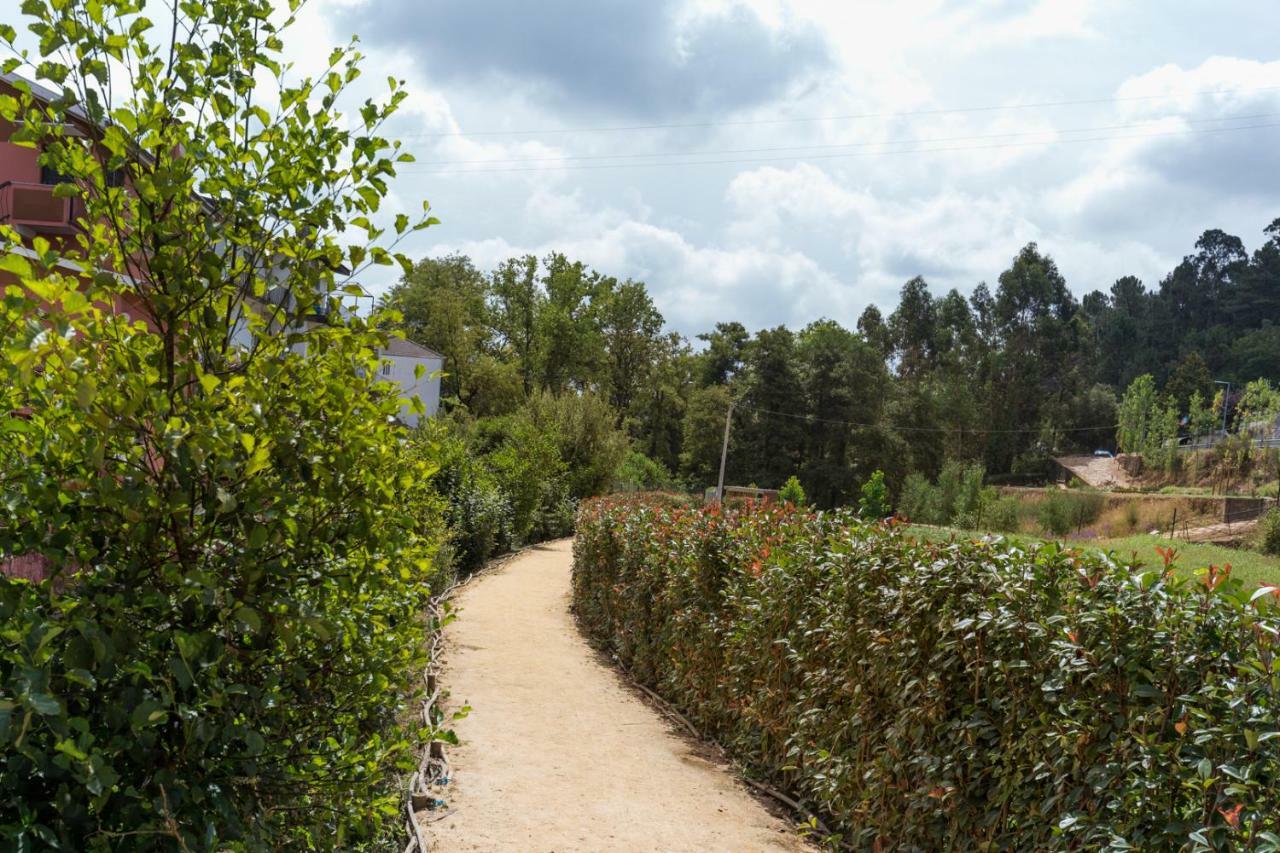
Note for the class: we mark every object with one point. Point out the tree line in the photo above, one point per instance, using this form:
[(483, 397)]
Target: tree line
[(1004, 377)]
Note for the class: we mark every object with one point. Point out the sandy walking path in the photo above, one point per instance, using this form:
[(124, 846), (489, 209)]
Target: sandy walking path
[(558, 754)]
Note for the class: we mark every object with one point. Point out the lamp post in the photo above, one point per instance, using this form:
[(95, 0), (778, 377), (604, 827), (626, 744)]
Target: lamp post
[(724, 453), (1225, 398)]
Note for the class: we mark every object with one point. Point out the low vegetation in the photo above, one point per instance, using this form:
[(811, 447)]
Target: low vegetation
[(960, 694)]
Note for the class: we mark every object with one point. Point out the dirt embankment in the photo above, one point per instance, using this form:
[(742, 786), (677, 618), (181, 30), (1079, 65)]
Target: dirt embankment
[(558, 753), (1101, 472)]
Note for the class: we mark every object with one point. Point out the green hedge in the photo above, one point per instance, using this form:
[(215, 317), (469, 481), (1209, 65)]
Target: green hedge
[(231, 645), (966, 695)]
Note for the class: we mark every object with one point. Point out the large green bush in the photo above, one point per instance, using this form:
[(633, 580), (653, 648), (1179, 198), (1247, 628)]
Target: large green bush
[(232, 627), (230, 643), (517, 478), (639, 473), (1061, 512), (477, 509), (965, 695), (958, 498), (1269, 532)]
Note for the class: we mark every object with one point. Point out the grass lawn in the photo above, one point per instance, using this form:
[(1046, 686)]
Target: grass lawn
[(1250, 566)]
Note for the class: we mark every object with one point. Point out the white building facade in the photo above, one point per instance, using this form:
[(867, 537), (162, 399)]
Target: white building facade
[(401, 361)]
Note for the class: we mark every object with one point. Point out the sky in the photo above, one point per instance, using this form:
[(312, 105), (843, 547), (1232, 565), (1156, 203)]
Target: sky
[(780, 161)]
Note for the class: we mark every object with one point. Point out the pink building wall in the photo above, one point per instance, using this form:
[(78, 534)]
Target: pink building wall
[(17, 163)]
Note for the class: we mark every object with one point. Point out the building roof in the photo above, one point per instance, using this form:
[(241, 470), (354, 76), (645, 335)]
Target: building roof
[(408, 349), (40, 92)]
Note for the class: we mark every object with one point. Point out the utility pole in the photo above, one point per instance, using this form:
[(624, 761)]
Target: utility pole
[(724, 453)]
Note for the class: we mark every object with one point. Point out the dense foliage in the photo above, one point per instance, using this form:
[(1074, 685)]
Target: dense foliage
[(1003, 378), (193, 443), (509, 480), (953, 695)]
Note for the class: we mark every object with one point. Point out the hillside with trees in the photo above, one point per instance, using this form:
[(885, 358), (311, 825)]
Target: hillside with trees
[(1006, 377)]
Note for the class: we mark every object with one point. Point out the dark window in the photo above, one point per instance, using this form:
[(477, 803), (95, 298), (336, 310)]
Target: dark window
[(114, 178), (50, 176)]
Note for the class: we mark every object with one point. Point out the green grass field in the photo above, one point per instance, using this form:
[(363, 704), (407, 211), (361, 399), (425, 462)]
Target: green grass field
[(1250, 566)]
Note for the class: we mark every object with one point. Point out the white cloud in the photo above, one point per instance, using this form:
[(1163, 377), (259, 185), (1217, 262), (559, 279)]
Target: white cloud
[(818, 236)]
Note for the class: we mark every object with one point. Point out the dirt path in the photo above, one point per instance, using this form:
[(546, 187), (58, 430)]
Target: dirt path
[(558, 754)]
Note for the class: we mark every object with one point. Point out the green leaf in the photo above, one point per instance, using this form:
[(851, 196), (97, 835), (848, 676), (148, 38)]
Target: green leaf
[(249, 617), (147, 713), (44, 704)]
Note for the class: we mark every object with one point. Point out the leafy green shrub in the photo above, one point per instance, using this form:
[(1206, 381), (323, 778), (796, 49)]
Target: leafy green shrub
[(1003, 515), (478, 512), (792, 492), (1131, 515), (874, 499), (556, 515), (1269, 532), (581, 427), (957, 498), (1062, 512), (517, 478), (921, 501), (232, 629), (527, 465), (240, 551), (960, 695), (639, 473)]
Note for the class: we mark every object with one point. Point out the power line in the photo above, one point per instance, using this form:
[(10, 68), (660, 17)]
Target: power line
[(838, 145), (844, 117), (951, 430), (844, 155)]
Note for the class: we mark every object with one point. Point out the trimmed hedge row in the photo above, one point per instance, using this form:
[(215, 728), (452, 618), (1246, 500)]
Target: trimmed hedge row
[(957, 695)]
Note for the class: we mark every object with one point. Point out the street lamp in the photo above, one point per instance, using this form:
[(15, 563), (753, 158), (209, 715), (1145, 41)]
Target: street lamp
[(1225, 397), (724, 452)]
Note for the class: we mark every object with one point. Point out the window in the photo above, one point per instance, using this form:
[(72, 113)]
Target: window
[(386, 368), (50, 176)]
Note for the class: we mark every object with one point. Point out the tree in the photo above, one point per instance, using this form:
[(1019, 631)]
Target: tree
[(1256, 354), (657, 421), (770, 436), (517, 304), (443, 303), (630, 326), (570, 347), (1138, 411), (1202, 419), (956, 337), (792, 492), (1037, 367), (725, 352), (703, 432), (844, 379), (874, 500), (1256, 298), (240, 547), (913, 325), (1191, 376), (1257, 406), (875, 331)]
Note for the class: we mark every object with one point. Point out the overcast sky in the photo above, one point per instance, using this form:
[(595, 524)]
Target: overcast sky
[(793, 185)]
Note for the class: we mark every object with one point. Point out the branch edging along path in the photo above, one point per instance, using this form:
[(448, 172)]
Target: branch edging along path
[(559, 753)]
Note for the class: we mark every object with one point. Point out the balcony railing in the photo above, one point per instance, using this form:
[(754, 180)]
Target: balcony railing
[(36, 207)]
